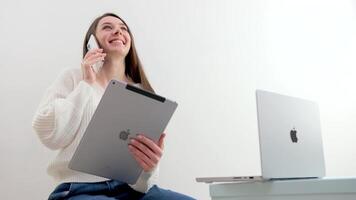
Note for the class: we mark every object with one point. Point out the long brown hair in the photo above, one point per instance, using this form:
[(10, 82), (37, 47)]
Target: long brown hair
[(133, 66)]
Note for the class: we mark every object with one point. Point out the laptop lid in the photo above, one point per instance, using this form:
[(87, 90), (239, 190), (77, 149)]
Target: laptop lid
[(123, 112), (290, 137)]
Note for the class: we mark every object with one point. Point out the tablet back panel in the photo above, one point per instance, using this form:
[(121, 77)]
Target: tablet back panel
[(123, 112)]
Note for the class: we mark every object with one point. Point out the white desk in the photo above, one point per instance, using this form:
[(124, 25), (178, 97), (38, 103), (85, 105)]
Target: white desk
[(307, 189)]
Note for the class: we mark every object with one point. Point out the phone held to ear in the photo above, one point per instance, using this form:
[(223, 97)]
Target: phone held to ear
[(93, 44)]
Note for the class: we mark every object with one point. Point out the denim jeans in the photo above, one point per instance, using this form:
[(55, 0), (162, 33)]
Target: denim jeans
[(110, 190)]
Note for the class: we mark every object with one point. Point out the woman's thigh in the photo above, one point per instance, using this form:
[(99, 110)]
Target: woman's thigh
[(91, 197), (156, 193), (100, 190)]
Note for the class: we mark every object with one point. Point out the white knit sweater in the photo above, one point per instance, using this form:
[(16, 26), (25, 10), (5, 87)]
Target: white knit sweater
[(60, 121)]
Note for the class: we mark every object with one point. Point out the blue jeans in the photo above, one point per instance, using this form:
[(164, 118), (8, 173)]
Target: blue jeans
[(110, 190)]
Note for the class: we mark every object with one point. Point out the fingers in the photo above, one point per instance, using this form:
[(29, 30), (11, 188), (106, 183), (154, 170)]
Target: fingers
[(153, 155), (150, 144), (161, 141), (146, 152), (93, 57), (93, 51), (142, 159), (90, 58)]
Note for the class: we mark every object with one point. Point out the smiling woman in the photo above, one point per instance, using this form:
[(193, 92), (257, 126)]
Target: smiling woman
[(122, 43), (69, 104)]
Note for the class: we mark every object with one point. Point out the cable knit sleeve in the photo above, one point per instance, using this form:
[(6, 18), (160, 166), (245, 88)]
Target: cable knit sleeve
[(146, 180), (60, 111)]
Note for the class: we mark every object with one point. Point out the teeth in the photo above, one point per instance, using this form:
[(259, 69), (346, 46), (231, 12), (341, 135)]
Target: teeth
[(116, 41)]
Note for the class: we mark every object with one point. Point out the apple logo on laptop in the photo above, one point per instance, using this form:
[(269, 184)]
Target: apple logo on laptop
[(293, 135), (124, 134)]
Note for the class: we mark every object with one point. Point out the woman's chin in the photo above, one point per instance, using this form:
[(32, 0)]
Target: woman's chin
[(117, 52)]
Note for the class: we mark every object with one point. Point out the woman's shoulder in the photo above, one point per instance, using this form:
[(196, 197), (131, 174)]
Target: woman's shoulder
[(75, 73), (68, 78)]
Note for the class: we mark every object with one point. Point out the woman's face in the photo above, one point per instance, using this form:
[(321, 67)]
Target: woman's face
[(113, 36)]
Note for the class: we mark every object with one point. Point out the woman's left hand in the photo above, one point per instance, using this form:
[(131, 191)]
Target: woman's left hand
[(146, 152)]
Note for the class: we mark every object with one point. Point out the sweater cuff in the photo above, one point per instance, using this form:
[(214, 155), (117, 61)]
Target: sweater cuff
[(145, 181)]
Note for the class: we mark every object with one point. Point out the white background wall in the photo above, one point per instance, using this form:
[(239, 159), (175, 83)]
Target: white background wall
[(209, 56)]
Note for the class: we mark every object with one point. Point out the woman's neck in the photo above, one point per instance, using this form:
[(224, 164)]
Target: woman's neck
[(113, 68)]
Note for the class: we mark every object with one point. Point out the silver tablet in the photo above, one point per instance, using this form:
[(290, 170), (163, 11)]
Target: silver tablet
[(123, 112)]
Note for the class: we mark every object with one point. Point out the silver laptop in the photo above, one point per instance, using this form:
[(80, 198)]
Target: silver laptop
[(290, 139), (123, 112)]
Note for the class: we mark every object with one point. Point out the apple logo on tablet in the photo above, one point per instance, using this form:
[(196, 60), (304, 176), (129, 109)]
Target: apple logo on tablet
[(124, 134), (293, 135)]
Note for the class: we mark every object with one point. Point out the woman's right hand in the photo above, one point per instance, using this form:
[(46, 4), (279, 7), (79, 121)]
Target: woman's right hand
[(90, 59)]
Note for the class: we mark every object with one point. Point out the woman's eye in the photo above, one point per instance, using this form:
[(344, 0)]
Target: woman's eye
[(107, 27), (124, 28)]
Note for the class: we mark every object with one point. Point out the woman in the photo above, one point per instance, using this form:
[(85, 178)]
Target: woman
[(69, 104)]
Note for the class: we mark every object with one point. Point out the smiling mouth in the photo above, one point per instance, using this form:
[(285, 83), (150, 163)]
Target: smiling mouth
[(116, 41)]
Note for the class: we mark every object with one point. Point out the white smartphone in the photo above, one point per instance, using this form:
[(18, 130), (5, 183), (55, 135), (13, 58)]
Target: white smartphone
[(93, 44)]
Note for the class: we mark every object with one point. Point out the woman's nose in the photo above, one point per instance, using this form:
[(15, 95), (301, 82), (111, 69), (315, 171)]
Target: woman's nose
[(118, 32)]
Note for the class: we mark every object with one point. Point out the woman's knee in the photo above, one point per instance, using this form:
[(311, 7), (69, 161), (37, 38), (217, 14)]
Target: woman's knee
[(156, 193)]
